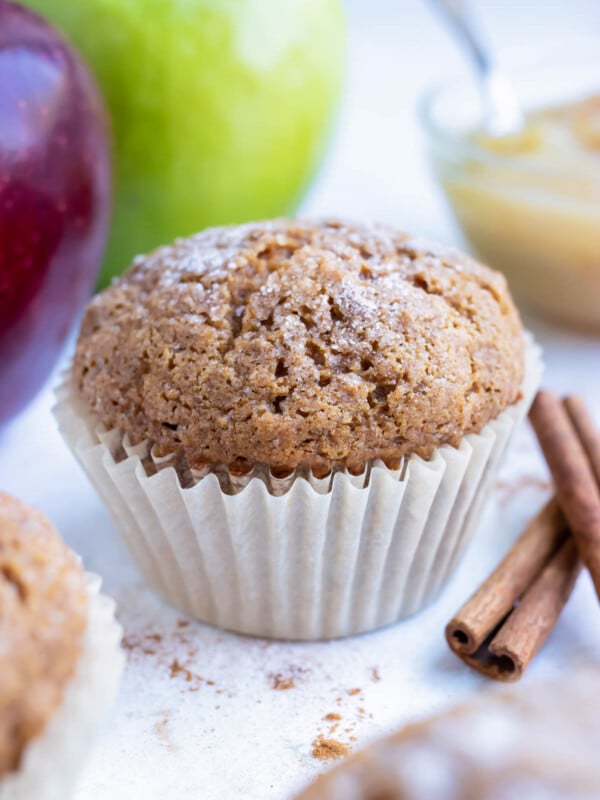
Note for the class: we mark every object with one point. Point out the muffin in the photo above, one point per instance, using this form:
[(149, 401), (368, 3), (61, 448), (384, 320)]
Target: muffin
[(540, 743), (59, 662), (294, 423)]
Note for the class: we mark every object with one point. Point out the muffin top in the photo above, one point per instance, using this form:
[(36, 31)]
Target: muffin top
[(43, 609), (535, 743), (300, 343)]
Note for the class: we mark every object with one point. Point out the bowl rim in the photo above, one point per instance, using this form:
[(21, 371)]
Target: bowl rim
[(468, 149)]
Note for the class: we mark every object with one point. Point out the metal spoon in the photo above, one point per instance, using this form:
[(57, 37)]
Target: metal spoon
[(503, 112)]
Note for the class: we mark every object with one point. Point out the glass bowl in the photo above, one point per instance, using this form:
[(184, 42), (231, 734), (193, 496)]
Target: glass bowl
[(535, 219)]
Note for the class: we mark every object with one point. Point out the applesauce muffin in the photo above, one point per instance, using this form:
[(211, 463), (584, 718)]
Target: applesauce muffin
[(292, 343), (536, 743), (41, 581), (45, 618), (295, 423)]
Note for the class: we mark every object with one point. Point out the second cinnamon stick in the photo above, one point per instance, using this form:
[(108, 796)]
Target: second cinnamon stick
[(576, 487), (496, 597), (527, 628), (589, 435)]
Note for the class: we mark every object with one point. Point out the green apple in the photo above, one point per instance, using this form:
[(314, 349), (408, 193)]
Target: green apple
[(221, 109)]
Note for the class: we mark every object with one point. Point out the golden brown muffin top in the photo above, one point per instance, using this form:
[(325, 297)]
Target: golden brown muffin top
[(535, 742), (293, 342), (43, 609)]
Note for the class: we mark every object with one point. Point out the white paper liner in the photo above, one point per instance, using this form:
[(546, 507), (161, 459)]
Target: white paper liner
[(298, 557), (51, 763)]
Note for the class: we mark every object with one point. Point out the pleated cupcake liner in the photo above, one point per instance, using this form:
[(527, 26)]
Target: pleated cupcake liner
[(295, 557), (51, 763)]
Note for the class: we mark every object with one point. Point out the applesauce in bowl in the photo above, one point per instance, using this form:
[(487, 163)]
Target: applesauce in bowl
[(529, 203)]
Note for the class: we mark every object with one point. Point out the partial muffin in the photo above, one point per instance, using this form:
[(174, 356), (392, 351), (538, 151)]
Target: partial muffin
[(52, 623), (291, 343), (537, 743), (295, 423)]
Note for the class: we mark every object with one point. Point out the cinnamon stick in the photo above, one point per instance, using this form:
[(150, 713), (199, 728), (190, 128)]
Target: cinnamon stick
[(576, 488), (491, 632), (589, 435), (496, 597), (504, 624), (527, 628)]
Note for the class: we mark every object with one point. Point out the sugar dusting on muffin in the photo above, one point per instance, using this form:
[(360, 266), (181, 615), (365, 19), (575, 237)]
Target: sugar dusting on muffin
[(293, 343), (43, 613)]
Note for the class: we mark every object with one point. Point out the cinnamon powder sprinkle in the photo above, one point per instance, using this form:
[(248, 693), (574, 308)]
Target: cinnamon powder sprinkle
[(177, 669), (282, 681), (508, 490), (332, 717), (160, 647), (163, 732), (328, 749), (146, 644)]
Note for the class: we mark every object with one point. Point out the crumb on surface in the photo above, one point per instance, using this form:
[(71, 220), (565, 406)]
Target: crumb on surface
[(328, 749)]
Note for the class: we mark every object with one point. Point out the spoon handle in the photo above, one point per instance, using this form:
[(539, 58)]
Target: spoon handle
[(458, 16), (503, 111)]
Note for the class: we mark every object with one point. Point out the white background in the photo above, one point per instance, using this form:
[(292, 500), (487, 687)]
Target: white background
[(238, 737)]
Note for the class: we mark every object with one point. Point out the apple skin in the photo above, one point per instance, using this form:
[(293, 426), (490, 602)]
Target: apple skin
[(54, 198), (221, 109)]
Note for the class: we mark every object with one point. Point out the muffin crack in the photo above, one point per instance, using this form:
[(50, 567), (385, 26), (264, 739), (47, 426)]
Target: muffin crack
[(11, 576)]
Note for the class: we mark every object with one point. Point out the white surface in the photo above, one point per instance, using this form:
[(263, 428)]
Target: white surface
[(240, 738)]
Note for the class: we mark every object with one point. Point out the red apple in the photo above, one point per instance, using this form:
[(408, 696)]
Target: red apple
[(54, 198)]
